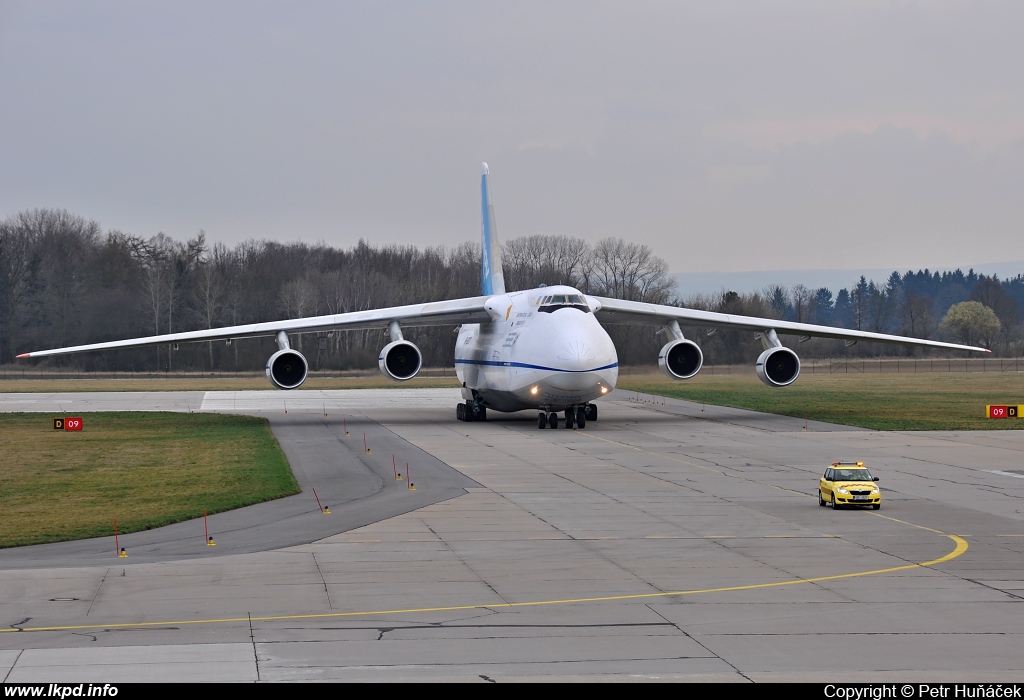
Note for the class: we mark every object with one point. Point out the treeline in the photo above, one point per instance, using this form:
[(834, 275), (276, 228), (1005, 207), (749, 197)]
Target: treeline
[(970, 308), (64, 281)]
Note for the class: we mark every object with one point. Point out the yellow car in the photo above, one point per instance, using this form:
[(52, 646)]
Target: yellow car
[(849, 484)]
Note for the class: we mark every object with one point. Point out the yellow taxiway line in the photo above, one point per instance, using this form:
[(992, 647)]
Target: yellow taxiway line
[(961, 547)]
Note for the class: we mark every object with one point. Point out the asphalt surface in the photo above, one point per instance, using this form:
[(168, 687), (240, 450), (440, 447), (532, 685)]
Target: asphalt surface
[(666, 541)]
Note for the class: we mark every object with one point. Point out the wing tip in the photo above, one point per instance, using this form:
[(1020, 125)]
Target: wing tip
[(23, 355)]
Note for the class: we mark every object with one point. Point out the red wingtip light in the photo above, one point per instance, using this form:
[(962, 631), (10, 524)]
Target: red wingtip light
[(24, 354)]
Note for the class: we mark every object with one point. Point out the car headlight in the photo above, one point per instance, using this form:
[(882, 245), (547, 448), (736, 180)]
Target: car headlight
[(842, 490), (874, 489)]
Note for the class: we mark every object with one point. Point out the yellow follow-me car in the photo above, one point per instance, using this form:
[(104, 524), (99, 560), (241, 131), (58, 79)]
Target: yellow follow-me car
[(849, 484)]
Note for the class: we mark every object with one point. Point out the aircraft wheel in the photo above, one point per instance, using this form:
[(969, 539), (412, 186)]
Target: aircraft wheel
[(467, 410), (480, 413), (460, 411), (542, 420), (581, 417), (553, 420), (570, 418), (590, 410)]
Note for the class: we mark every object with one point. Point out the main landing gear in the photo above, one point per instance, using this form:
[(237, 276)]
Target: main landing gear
[(575, 417), (470, 411)]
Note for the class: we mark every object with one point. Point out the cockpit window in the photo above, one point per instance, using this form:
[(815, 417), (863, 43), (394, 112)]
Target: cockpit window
[(555, 302)]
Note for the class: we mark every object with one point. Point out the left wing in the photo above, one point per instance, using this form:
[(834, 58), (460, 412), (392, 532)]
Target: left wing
[(614, 311), (439, 313)]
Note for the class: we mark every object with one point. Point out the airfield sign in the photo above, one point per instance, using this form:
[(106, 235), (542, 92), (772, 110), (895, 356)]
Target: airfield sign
[(73, 423), (1004, 412)]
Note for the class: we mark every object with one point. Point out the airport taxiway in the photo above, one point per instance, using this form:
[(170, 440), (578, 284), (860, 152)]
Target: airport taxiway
[(666, 541)]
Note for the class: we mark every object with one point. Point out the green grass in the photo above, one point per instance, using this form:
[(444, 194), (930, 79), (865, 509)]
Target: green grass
[(877, 401), (369, 380), (145, 469)]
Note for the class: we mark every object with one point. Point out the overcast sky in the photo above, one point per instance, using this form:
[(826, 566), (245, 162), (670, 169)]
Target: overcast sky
[(726, 136)]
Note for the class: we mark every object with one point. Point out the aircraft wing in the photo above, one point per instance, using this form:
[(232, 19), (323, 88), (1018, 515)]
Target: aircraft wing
[(616, 311), (439, 313)]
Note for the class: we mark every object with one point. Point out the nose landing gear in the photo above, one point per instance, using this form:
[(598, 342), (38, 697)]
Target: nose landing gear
[(575, 417), (545, 420)]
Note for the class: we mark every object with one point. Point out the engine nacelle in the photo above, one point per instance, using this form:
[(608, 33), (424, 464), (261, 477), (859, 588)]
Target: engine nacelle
[(400, 360), (778, 367), (287, 369), (680, 359)]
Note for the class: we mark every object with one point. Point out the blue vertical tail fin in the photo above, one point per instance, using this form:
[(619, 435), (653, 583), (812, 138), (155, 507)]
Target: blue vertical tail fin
[(492, 279)]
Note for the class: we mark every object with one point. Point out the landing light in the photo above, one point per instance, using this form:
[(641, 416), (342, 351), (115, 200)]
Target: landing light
[(604, 390), (533, 391)]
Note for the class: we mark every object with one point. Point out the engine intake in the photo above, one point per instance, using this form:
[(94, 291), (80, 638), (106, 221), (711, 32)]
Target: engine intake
[(778, 367), (400, 360), (680, 359), (287, 369)]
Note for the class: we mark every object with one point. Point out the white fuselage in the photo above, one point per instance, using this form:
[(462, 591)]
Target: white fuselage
[(532, 354)]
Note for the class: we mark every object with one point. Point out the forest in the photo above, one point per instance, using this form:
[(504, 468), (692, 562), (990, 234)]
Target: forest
[(65, 281)]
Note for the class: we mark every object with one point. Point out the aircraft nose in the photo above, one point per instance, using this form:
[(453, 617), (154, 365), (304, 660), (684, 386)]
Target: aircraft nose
[(576, 359), (576, 355)]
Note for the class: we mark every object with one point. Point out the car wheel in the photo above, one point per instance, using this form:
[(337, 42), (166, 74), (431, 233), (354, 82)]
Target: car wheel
[(876, 506), (821, 501), (834, 504)]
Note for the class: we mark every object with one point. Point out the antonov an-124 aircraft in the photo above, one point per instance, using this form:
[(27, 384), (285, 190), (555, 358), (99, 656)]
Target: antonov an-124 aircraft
[(543, 349)]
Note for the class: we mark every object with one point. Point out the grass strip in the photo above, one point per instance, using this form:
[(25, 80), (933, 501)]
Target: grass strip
[(373, 380), (145, 469), (876, 401)]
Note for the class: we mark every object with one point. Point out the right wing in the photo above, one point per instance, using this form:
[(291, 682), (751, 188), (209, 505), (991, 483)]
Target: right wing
[(613, 311), (438, 313)]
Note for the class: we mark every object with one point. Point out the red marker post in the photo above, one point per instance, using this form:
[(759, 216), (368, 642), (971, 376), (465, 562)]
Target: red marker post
[(209, 540)]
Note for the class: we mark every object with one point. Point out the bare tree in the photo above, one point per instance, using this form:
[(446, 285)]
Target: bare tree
[(209, 288), (630, 271), (17, 242)]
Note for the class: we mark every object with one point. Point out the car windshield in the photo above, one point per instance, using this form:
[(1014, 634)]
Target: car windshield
[(852, 475)]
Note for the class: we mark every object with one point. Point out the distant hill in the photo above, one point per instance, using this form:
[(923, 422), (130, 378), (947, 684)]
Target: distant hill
[(688, 283)]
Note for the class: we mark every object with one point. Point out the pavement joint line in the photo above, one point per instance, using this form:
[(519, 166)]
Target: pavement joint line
[(961, 547), (698, 466), (735, 476)]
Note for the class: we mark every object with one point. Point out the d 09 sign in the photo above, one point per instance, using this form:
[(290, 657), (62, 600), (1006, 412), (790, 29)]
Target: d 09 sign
[(1004, 412), (73, 423)]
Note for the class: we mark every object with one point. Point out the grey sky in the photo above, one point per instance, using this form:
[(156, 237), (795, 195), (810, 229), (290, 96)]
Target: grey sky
[(727, 136)]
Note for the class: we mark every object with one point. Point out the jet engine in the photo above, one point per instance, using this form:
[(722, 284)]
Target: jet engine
[(778, 366), (400, 360), (680, 359), (287, 369)]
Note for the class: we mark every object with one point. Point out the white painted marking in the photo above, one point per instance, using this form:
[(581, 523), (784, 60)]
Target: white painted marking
[(996, 471)]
